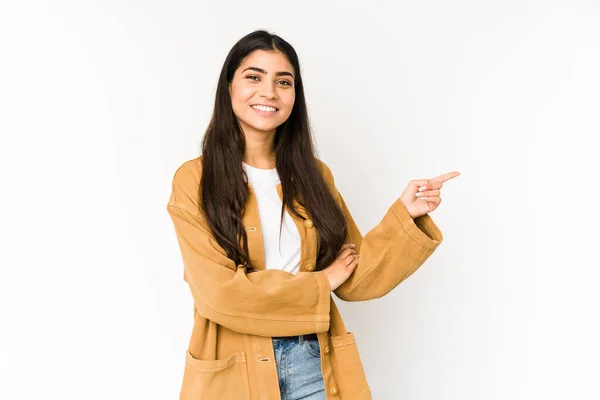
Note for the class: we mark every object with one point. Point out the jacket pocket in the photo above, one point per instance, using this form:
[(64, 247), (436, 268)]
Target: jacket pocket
[(348, 369), (216, 379)]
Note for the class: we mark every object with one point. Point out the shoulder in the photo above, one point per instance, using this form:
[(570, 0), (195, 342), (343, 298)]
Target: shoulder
[(186, 182), (190, 170), (325, 171), (185, 185), (327, 175)]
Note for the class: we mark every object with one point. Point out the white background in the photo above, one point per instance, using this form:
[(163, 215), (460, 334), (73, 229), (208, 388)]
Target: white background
[(101, 101)]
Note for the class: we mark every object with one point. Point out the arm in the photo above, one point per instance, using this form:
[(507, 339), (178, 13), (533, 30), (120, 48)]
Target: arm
[(265, 303), (390, 252)]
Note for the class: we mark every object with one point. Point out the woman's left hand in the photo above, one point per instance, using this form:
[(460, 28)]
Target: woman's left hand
[(423, 195)]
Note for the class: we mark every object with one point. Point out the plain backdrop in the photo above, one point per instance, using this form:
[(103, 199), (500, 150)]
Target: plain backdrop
[(101, 101)]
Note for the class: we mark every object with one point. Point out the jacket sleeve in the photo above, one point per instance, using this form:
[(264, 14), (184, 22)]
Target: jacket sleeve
[(389, 253), (265, 303)]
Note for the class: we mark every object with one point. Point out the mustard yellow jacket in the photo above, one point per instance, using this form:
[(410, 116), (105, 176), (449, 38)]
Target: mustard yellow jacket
[(230, 353)]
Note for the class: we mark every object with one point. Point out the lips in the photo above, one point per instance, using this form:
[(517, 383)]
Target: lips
[(264, 113), (264, 106)]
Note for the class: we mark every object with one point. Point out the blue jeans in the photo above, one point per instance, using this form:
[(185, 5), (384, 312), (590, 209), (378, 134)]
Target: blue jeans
[(299, 368)]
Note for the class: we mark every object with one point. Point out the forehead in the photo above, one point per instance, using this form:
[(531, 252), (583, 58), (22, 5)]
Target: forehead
[(270, 61)]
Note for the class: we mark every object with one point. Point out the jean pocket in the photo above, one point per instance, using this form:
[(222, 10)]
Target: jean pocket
[(312, 346)]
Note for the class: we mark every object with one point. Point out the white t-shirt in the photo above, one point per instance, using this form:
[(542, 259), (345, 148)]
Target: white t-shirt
[(284, 255)]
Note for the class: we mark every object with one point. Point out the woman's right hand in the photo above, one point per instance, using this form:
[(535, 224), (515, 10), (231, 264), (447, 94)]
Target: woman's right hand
[(342, 267)]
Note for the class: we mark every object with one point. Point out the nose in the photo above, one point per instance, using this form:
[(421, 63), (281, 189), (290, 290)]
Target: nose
[(268, 90)]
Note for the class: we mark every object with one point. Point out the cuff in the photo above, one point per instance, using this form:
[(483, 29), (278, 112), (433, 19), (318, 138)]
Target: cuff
[(324, 305), (422, 229)]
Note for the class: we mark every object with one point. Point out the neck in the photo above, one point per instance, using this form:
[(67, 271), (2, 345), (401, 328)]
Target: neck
[(259, 151)]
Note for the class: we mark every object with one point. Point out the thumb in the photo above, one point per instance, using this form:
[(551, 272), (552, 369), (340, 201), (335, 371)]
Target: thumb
[(420, 182), (414, 185)]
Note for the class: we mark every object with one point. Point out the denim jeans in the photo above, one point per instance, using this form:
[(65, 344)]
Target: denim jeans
[(299, 368)]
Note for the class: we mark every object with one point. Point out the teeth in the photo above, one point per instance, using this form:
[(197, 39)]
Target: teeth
[(263, 108)]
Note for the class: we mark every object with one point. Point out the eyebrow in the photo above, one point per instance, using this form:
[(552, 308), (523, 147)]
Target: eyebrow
[(262, 71)]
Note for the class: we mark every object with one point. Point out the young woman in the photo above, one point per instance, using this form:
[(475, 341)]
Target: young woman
[(265, 237)]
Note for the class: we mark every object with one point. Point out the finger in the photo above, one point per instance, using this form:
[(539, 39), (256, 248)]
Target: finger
[(428, 193), (427, 184), (346, 252), (350, 255), (352, 266), (346, 246), (420, 182), (445, 177), (434, 199)]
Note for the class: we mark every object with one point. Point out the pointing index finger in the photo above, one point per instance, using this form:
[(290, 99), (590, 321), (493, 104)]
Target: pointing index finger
[(445, 177)]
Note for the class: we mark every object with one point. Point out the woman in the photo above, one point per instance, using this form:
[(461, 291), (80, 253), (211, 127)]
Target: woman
[(265, 238)]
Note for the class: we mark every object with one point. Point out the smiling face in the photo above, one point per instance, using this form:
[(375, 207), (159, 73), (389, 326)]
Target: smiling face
[(262, 92)]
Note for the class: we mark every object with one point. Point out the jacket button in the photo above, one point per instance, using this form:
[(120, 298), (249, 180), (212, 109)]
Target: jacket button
[(308, 223), (326, 349), (310, 267), (334, 391)]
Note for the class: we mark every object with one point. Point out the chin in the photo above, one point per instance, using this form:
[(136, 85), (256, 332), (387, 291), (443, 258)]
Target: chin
[(265, 127)]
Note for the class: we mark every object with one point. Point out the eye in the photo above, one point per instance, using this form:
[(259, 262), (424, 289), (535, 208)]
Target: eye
[(256, 78)]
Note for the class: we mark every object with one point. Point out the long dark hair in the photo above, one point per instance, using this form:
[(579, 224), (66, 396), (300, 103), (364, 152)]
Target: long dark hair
[(223, 189)]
